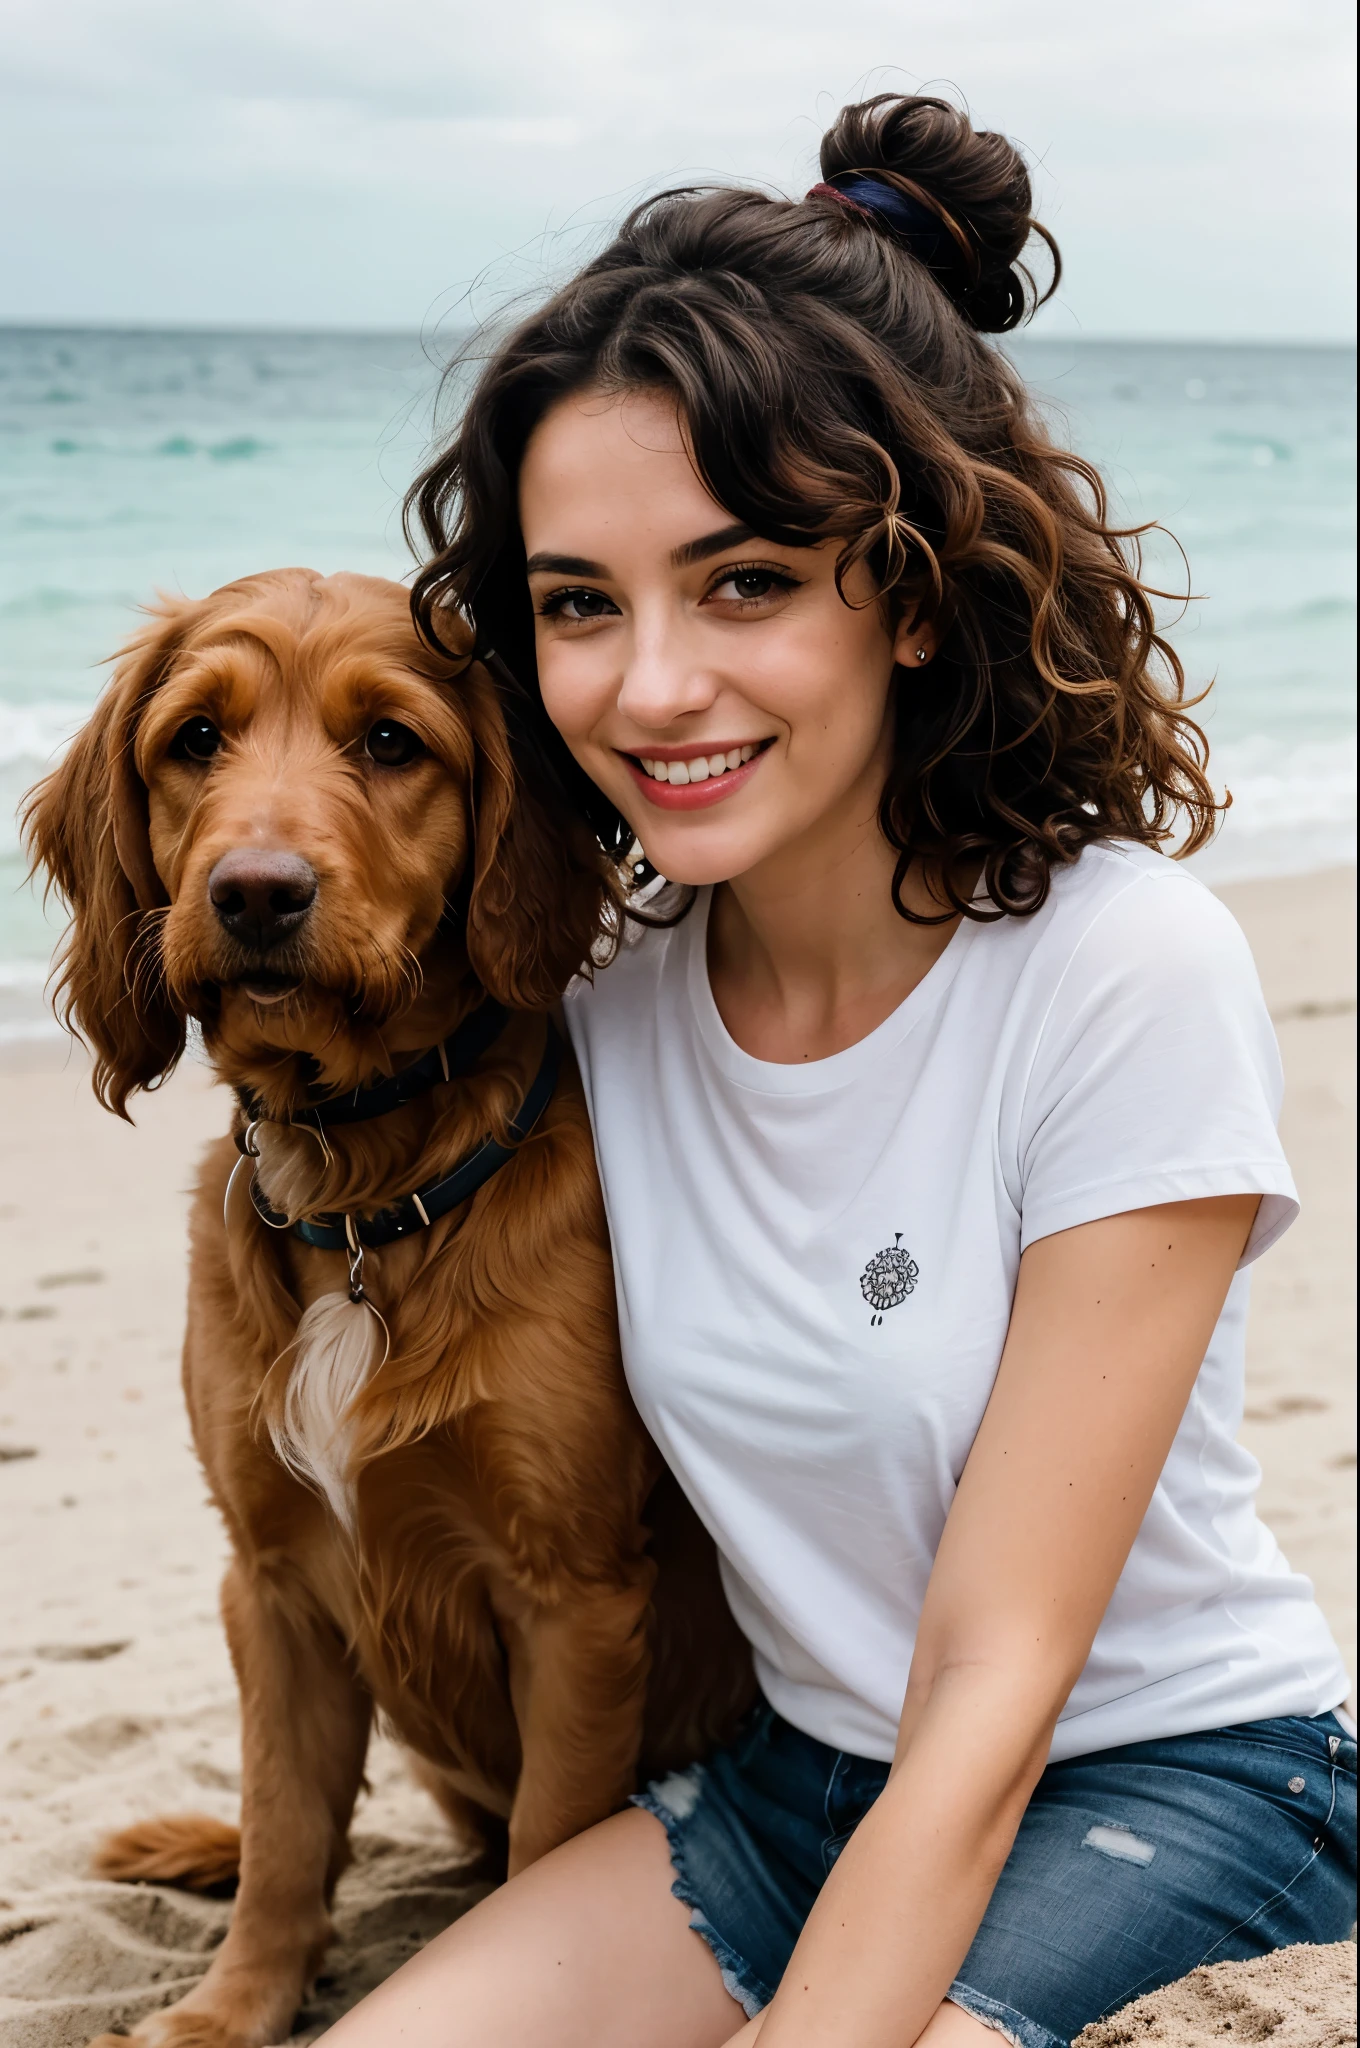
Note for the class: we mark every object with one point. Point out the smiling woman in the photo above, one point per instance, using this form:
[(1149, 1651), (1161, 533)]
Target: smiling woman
[(700, 664), (828, 399), (936, 1132), (754, 586)]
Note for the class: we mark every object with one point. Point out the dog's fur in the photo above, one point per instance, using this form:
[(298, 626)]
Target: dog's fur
[(471, 1534)]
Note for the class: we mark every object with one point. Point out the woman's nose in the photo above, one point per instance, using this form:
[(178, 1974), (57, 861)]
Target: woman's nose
[(664, 678)]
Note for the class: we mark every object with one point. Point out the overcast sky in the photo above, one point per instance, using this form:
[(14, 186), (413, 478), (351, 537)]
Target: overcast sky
[(359, 163)]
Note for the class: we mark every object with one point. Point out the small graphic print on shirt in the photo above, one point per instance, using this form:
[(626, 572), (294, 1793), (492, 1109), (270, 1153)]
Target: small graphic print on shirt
[(888, 1278)]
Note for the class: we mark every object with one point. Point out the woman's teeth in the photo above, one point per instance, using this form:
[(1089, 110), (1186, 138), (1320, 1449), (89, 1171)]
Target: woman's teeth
[(699, 769)]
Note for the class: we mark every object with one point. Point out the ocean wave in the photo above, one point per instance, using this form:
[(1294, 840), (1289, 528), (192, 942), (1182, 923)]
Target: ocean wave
[(236, 448), (239, 449), (1274, 784), (24, 974), (1261, 450), (36, 732), (1293, 808)]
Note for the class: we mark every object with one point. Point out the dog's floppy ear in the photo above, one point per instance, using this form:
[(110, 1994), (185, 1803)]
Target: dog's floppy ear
[(85, 824), (538, 883)]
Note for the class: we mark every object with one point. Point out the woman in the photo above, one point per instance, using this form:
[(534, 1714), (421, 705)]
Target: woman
[(936, 1125)]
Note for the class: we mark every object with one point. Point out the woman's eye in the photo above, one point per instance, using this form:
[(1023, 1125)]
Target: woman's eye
[(197, 740), (752, 586), (577, 605), (391, 744)]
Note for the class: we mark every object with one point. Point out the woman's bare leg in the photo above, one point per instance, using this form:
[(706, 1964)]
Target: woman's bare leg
[(951, 2027), (588, 1948)]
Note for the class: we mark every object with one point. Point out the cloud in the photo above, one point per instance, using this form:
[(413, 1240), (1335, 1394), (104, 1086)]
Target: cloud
[(350, 162)]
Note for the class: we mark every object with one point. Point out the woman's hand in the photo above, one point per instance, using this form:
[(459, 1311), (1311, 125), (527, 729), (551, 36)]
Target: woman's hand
[(1109, 1328)]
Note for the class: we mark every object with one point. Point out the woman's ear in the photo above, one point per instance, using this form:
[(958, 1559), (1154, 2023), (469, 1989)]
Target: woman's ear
[(86, 825), (538, 885), (916, 638)]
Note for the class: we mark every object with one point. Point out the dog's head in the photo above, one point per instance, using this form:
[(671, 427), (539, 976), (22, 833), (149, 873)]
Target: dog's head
[(289, 819)]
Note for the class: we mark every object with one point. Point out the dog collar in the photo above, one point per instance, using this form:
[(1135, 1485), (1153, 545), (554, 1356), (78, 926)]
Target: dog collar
[(454, 1055), (337, 1232)]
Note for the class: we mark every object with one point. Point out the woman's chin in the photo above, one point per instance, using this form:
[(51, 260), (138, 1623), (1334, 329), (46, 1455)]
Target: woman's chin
[(700, 860)]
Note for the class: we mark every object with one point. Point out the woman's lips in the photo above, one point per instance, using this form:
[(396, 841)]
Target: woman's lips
[(694, 796)]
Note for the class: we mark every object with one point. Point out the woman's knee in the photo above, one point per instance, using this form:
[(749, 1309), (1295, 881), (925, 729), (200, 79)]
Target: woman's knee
[(587, 1948)]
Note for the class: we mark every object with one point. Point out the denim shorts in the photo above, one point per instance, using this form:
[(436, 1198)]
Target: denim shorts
[(1131, 1867)]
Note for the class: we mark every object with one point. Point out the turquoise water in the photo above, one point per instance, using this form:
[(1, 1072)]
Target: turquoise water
[(131, 462)]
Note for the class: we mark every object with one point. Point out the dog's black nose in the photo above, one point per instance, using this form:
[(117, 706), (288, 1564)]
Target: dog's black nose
[(261, 898)]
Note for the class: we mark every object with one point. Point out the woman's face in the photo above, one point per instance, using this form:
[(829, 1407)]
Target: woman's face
[(714, 684)]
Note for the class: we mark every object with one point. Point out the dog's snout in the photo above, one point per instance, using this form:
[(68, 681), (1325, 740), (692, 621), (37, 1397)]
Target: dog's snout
[(261, 898)]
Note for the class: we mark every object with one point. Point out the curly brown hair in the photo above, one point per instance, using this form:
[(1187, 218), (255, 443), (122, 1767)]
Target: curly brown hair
[(832, 377)]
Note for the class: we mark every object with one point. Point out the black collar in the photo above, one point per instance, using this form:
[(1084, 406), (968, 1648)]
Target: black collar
[(455, 1055), (337, 1232)]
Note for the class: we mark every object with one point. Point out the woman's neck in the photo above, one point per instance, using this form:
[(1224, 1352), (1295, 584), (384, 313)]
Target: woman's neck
[(807, 954)]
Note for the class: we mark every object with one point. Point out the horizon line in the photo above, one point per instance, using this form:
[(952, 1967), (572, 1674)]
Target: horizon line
[(398, 333)]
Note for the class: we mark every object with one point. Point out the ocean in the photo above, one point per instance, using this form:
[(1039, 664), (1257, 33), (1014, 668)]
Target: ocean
[(131, 462)]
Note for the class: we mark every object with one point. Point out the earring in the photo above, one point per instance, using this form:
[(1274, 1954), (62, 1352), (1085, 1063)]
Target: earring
[(920, 654)]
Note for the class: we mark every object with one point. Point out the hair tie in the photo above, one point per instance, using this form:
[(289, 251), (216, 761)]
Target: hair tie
[(931, 237)]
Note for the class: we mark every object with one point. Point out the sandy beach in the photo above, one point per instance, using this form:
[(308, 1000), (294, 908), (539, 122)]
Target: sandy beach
[(116, 1697)]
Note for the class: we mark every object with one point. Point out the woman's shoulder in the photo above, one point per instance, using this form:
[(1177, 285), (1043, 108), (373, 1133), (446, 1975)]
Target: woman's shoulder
[(1149, 1072), (1129, 910), (1141, 961), (1132, 959)]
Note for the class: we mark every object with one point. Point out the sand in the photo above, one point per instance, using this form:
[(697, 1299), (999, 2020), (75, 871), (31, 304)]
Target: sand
[(1300, 1997), (116, 1697)]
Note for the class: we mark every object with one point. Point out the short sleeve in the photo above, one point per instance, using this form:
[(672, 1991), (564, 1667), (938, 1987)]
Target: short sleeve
[(1156, 1075)]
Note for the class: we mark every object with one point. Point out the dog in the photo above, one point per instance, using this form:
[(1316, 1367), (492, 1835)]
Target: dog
[(294, 824)]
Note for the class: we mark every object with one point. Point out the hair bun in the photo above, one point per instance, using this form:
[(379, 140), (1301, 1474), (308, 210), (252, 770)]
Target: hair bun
[(975, 182)]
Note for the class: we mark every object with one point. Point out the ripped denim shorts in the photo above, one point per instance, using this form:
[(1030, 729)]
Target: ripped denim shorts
[(1131, 1867)]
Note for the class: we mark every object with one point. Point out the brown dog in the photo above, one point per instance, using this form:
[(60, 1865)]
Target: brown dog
[(290, 821)]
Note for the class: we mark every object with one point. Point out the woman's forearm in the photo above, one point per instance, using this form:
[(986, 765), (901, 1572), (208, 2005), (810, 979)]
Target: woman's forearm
[(896, 1917)]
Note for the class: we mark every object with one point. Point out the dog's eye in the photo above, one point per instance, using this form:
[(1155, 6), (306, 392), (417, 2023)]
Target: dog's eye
[(197, 740), (392, 745)]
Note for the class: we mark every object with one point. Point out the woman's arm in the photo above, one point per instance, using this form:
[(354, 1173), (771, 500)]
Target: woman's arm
[(1108, 1330)]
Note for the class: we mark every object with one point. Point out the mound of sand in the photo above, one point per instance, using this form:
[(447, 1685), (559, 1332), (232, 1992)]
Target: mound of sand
[(77, 1956), (1300, 1997)]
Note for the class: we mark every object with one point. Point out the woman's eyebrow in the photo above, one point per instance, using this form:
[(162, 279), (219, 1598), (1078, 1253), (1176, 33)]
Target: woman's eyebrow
[(684, 557), (564, 565), (692, 551)]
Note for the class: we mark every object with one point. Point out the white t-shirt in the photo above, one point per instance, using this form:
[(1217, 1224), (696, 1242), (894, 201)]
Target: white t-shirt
[(816, 1264)]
